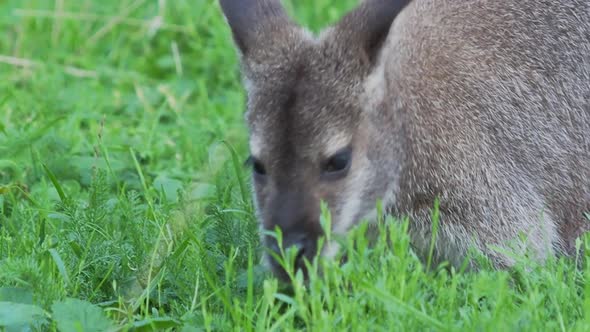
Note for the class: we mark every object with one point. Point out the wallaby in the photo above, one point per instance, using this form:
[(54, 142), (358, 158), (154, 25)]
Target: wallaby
[(483, 104)]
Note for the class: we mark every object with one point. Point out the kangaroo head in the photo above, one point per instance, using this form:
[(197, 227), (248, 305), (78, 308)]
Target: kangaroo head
[(310, 139)]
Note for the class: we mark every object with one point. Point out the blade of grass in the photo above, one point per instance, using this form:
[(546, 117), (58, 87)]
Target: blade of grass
[(114, 22), (143, 182), (60, 265), (435, 220), (237, 165), (53, 179)]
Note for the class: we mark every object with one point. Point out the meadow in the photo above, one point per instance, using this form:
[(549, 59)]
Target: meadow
[(125, 204)]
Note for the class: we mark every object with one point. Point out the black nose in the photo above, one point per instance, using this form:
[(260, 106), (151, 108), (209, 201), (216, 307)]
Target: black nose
[(303, 245)]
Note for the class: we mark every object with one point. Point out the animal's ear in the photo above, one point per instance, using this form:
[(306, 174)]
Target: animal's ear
[(253, 21), (367, 26)]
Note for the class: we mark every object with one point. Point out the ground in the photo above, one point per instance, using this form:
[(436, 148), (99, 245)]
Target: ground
[(125, 205)]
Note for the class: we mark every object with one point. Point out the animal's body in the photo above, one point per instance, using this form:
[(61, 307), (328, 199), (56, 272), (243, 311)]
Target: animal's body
[(483, 104)]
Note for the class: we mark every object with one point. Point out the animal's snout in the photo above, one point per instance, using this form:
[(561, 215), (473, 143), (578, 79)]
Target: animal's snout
[(304, 247), (296, 214)]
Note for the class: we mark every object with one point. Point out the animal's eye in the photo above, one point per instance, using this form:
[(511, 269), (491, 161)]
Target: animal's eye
[(338, 164), (256, 165), (258, 168)]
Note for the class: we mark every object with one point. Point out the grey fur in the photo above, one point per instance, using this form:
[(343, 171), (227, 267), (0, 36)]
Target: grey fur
[(482, 103)]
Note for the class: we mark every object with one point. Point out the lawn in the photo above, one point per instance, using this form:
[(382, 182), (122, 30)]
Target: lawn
[(125, 204)]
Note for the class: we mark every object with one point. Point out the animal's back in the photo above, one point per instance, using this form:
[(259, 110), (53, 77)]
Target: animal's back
[(493, 100)]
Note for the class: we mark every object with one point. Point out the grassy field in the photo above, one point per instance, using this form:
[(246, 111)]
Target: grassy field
[(124, 204)]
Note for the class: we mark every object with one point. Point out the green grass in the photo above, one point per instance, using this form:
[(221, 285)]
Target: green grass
[(124, 204)]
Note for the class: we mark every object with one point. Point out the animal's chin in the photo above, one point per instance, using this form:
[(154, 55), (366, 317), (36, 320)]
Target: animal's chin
[(280, 273)]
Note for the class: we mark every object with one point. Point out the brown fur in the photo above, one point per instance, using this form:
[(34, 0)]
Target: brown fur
[(482, 103)]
